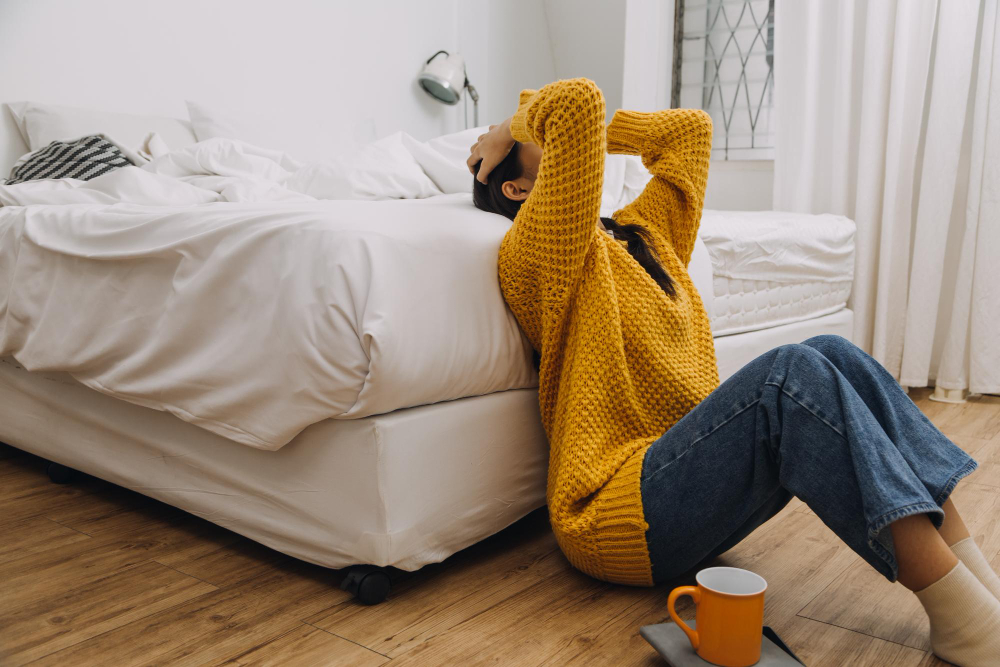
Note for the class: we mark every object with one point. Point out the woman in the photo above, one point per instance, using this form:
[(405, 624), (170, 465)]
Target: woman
[(654, 466)]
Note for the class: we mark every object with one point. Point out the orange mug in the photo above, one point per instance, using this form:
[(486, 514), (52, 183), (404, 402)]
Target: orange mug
[(729, 620)]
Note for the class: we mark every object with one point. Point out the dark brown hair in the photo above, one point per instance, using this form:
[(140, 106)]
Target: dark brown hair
[(489, 197)]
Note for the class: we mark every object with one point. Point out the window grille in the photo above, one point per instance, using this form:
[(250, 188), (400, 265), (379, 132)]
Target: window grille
[(724, 64)]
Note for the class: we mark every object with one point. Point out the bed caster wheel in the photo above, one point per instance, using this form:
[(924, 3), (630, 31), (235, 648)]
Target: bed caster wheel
[(59, 473), (368, 583)]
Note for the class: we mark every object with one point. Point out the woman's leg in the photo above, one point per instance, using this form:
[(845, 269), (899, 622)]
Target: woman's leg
[(921, 554), (904, 423), (899, 417), (787, 423)]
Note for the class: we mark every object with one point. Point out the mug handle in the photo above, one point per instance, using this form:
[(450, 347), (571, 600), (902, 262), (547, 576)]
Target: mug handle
[(695, 594)]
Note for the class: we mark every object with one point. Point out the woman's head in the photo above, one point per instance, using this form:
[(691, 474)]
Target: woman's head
[(510, 182)]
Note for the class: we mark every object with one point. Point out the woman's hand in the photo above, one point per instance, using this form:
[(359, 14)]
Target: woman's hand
[(491, 148)]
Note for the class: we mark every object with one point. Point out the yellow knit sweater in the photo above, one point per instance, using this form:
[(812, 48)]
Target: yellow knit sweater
[(621, 361)]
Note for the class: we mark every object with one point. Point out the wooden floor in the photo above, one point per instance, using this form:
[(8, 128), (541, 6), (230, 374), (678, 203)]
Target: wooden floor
[(91, 574)]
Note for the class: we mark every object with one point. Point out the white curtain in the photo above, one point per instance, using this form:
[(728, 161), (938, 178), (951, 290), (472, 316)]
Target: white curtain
[(888, 112)]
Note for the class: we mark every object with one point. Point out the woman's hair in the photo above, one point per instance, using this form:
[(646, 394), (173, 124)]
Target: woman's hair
[(489, 197)]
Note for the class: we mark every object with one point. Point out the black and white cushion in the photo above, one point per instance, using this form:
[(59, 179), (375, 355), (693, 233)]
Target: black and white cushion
[(84, 158)]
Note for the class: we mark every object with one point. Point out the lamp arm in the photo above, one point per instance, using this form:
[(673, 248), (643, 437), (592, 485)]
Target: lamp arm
[(474, 94), (436, 55)]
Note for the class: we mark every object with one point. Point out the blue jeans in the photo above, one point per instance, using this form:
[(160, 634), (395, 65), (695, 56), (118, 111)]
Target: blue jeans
[(820, 420)]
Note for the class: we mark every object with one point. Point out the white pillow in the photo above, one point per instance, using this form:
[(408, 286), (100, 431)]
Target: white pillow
[(41, 124), (384, 169), (443, 158), (212, 124), (253, 128)]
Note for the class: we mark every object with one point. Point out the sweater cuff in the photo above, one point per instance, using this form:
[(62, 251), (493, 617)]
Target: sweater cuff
[(519, 122), (628, 130)]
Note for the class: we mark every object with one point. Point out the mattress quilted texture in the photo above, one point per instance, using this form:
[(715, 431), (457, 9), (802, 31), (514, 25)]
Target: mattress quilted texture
[(748, 305), (772, 268)]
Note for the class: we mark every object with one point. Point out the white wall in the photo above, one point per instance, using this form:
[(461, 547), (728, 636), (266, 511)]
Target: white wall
[(329, 73), (588, 39), (506, 46), (648, 54), (740, 185)]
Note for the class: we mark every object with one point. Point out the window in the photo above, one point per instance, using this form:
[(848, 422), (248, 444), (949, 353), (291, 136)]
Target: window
[(724, 63)]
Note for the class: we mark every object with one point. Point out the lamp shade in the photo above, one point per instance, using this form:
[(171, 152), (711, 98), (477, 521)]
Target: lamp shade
[(444, 78)]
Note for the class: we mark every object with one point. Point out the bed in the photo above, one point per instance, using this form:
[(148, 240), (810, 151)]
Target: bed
[(419, 436)]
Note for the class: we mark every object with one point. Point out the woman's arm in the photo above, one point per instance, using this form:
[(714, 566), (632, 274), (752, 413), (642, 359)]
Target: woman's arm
[(556, 223), (675, 145)]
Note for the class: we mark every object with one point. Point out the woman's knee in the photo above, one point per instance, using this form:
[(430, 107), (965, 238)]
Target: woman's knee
[(798, 358), (829, 342), (803, 349), (842, 352)]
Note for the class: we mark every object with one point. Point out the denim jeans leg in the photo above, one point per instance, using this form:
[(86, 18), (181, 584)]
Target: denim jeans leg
[(928, 452), (788, 421)]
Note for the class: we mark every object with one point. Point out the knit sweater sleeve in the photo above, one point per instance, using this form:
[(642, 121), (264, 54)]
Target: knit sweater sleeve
[(555, 225), (675, 145)]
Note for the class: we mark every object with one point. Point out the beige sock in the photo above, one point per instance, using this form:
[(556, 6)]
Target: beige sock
[(965, 619), (968, 552)]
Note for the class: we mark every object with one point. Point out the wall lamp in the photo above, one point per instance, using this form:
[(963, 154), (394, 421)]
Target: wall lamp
[(444, 79)]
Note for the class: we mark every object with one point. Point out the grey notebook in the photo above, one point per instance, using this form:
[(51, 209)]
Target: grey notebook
[(671, 643)]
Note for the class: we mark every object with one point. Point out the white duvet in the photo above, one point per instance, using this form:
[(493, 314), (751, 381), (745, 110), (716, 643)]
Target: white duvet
[(253, 295)]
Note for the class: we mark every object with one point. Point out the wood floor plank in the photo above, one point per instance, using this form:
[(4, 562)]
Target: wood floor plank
[(105, 502), (467, 584), (27, 491), (526, 627), (31, 493), (35, 535), (978, 417), (74, 563), (822, 645), (178, 531), (229, 565), (211, 628), (862, 600), (85, 560), (987, 455), (302, 589), (50, 617), (308, 646)]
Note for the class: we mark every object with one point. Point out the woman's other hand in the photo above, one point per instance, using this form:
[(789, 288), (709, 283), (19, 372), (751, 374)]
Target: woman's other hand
[(491, 148)]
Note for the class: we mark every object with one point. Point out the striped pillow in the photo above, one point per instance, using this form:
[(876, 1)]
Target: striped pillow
[(84, 158)]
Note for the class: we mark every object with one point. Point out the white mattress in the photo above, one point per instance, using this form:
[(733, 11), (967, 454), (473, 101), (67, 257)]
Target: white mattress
[(771, 268)]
